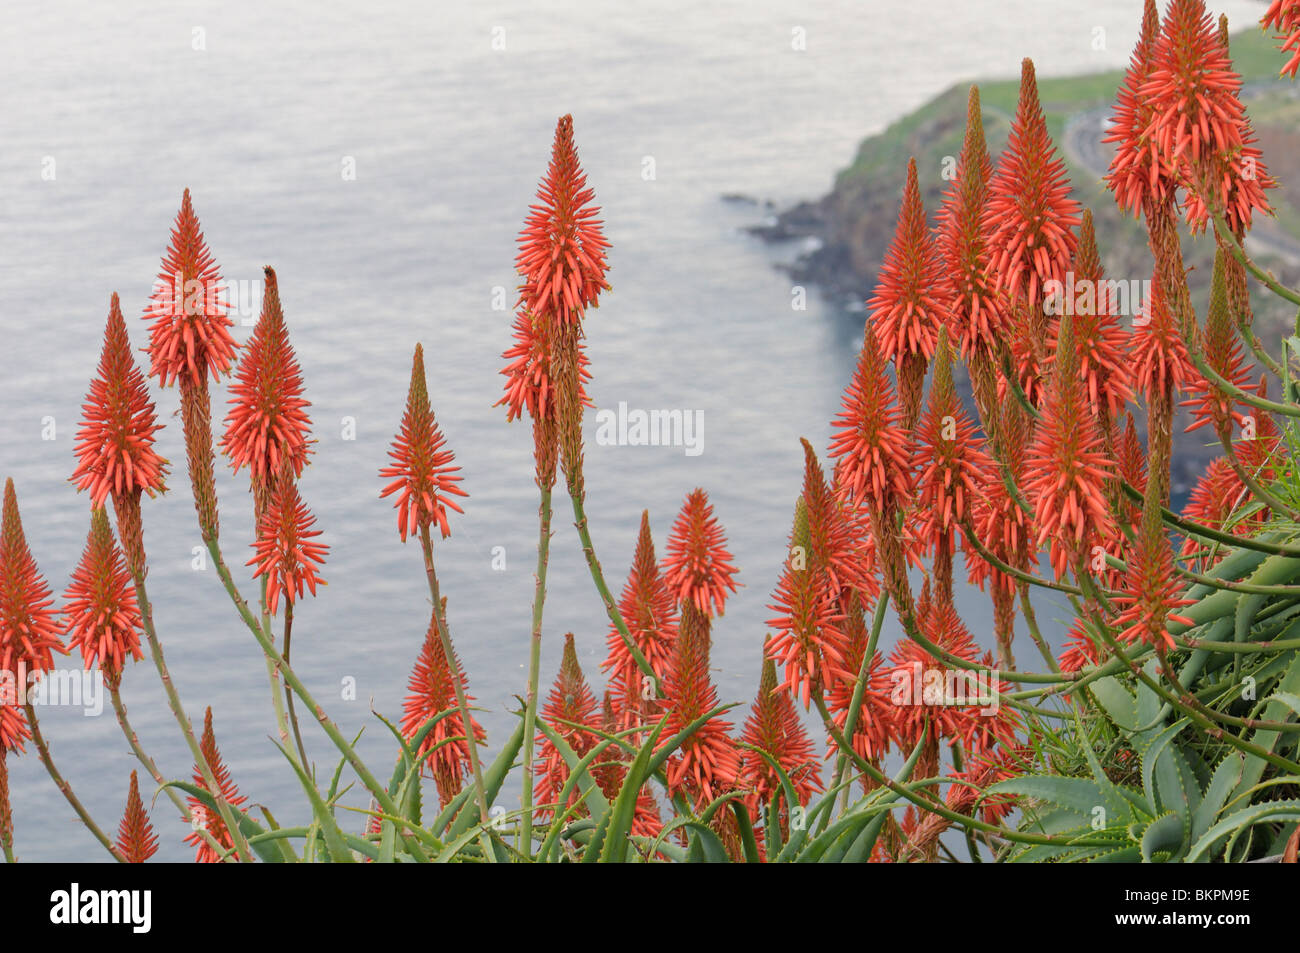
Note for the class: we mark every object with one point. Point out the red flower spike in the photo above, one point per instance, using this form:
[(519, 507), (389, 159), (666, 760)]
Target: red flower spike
[(1031, 368), (926, 692), (828, 558), (431, 691), (872, 447), (421, 464), (1030, 216), (984, 771), (1284, 17), (1154, 590), (190, 335), (610, 775), (872, 730), (698, 567), (808, 640), (1080, 649), (135, 837), (267, 425), (975, 309), (1002, 526), (13, 723), (1159, 356), (1100, 339), (707, 763), (562, 248), (1209, 403), (284, 552), (571, 710), (649, 607), (1197, 123), (1137, 177), (211, 820), (103, 619), (909, 304), (773, 726), (950, 461), (115, 443), (1067, 466), (29, 627), (529, 386)]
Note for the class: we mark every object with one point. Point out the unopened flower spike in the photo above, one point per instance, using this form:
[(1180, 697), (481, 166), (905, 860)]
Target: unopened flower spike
[(421, 472)]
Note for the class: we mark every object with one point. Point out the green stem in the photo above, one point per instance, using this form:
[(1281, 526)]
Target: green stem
[(115, 694), (611, 607), (859, 692), (293, 681), (1031, 623), (64, 787), (183, 720), (534, 667), (934, 807), (278, 691), (293, 715)]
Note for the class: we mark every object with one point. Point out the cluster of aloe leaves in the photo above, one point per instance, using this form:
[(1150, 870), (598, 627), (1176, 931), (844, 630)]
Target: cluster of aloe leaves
[(1148, 779)]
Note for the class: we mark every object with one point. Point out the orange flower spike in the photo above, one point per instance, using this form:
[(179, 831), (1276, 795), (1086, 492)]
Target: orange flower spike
[(1030, 216), (698, 568), (873, 449), (707, 763), (1067, 466), (268, 425), (912, 689), (431, 691), (975, 308), (649, 607), (570, 704), (1137, 177), (874, 727), (1197, 122), (1284, 17), (190, 335), (1209, 403), (29, 627), (562, 247), (13, 724), (1154, 590), (1159, 357), (529, 386), (135, 836), (211, 820), (773, 726), (1100, 338), (950, 459), (808, 640), (909, 304), (114, 449), (103, 619), (284, 551), (421, 469)]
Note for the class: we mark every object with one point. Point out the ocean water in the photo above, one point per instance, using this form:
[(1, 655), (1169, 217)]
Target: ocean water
[(445, 112)]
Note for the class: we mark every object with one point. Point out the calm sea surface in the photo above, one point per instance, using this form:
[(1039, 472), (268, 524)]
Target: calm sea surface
[(446, 113)]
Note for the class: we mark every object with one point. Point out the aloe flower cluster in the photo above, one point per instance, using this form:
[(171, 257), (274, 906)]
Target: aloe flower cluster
[(1045, 479)]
